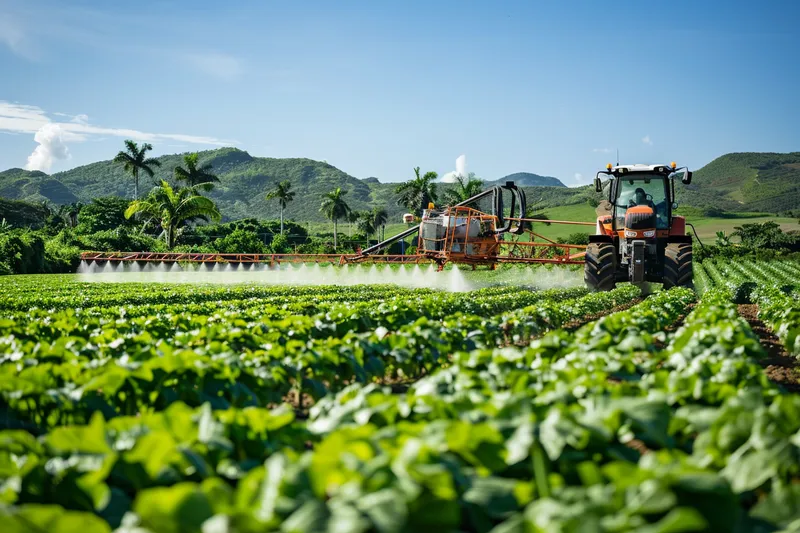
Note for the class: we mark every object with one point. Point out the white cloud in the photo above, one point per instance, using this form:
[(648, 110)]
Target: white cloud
[(52, 145), (578, 177), (646, 140), (18, 118), (222, 66), (602, 150)]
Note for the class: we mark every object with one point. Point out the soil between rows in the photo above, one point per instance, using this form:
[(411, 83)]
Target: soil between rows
[(781, 367)]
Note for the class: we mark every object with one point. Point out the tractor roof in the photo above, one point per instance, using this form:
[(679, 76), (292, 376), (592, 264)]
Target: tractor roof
[(641, 168)]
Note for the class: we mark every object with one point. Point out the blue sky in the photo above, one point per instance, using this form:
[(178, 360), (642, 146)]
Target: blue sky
[(377, 87)]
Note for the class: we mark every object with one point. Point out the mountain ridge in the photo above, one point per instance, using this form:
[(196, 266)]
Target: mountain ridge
[(739, 181)]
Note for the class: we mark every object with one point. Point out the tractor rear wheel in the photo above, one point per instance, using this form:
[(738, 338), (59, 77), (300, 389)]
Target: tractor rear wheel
[(678, 265), (600, 266)]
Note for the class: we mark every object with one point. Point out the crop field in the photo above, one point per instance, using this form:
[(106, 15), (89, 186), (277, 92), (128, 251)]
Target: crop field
[(509, 408)]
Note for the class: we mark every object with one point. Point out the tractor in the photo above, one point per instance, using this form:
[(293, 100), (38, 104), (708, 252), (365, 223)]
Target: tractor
[(638, 238)]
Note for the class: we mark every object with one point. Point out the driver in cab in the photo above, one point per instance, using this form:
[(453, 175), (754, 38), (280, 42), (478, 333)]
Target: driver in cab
[(640, 198)]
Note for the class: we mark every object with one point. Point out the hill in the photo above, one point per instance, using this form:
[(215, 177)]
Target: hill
[(244, 181), (738, 182), (747, 181), (34, 187), (527, 179)]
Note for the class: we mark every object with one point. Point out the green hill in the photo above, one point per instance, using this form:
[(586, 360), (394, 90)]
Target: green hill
[(739, 182), (244, 182), (33, 186), (748, 182), (527, 179)]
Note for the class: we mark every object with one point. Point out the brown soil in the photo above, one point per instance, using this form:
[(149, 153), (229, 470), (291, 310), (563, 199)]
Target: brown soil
[(780, 366)]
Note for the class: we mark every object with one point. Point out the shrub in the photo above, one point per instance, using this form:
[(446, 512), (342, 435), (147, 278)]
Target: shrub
[(22, 252), (122, 239), (61, 257), (239, 241), (574, 238), (280, 244), (104, 214)]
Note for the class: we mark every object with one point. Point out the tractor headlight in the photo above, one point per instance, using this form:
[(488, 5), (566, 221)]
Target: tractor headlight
[(651, 233), (630, 233)]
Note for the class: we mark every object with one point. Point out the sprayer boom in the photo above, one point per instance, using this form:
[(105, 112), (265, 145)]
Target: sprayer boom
[(457, 234)]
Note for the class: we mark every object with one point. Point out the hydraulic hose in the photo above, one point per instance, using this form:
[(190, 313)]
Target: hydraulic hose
[(695, 235)]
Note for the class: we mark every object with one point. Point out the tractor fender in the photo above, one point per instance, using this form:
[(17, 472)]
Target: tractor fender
[(679, 238), (600, 238)]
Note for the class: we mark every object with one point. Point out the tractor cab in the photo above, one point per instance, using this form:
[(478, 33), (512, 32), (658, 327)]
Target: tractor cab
[(636, 230)]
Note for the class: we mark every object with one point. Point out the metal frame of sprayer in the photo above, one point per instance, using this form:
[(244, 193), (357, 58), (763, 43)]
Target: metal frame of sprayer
[(457, 234)]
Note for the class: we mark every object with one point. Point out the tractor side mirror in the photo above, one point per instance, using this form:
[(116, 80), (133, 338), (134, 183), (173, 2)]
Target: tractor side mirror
[(685, 175), (598, 185)]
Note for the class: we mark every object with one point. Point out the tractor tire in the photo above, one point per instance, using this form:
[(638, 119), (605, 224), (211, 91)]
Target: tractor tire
[(600, 266), (678, 265)]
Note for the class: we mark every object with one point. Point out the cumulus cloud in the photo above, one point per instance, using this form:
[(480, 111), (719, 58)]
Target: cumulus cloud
[(215, 64), (52, 146), (646, 140), (53, 136), (578, 177)]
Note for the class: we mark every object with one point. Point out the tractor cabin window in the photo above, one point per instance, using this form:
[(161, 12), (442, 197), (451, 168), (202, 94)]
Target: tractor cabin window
[(642, 190)]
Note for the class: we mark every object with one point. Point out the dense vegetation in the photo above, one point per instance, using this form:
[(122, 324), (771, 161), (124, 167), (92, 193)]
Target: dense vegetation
[(762, 182), (297, 408)]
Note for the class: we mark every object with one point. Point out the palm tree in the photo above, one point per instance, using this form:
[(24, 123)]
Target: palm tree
[(284, 194), (334, 207), (379, 219), (134, 160), (195, 176), (365, 223), (172, 208), (415, 194), (352, 218), (463, 189)]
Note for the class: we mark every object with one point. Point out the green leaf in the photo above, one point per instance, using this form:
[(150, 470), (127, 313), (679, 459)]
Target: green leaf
[(494, 495), (518, 447), (155, 451), (36, 518), (181, 508), (386, 508), (750, 471), (680, 520), (275, 468), (311, 517), (80, 439), (781, 506)]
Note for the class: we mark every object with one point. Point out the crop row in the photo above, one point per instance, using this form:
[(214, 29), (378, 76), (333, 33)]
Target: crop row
[(773, 285), (603, 429), (61, 370), (781, 312)]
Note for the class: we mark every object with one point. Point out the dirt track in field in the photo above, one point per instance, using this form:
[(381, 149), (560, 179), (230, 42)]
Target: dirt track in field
[(780, 366)]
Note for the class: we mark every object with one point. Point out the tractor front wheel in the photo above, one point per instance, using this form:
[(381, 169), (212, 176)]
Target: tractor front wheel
[(678, 265), (600, 267)]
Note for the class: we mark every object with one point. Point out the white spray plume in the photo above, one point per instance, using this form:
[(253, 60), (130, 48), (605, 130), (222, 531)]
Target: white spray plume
[(52, 146), (461, 170)]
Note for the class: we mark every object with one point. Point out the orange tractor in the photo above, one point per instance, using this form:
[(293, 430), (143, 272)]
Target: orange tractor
[(638, 238)]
